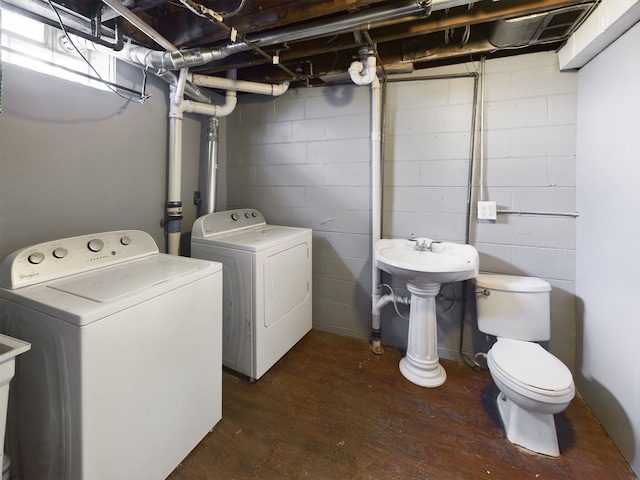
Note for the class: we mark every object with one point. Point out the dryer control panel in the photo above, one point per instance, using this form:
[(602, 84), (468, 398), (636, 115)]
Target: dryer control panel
[(69, 256), (226, 221)]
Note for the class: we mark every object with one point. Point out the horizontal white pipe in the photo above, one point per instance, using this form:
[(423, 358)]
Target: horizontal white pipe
[(391, 297), (212, 110), (222, 83)]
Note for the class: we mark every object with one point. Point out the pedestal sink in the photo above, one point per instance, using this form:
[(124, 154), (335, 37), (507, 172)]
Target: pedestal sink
[(425, 264)]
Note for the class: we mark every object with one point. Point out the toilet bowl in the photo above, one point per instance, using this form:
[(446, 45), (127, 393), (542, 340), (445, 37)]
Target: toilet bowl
[(534, 384)]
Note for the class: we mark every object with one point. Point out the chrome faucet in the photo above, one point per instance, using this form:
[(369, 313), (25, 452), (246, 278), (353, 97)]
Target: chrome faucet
[(423, 244)]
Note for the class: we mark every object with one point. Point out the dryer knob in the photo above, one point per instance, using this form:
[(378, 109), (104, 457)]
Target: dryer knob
[(60, 252), (95, 245), (247, 215), (126, 240), (254, 214), (235, 217)]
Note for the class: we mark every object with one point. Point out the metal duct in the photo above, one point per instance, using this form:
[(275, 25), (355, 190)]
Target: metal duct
[(538, 28), (366, 19)]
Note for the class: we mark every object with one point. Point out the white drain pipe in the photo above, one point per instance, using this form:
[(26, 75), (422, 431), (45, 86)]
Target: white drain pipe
[(175, 59), (227, 84), (364, 73), (177, 106), (173, 208)]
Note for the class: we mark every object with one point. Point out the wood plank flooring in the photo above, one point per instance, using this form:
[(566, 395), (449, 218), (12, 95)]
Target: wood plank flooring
[(331, 409)]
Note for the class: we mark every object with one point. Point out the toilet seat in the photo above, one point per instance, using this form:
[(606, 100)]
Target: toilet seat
[(531, 370)]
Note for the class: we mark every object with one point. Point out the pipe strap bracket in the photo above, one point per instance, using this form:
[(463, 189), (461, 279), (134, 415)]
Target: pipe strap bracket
[(425, 5)]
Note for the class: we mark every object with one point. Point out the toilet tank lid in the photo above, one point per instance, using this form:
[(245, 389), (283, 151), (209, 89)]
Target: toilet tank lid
[(512, 283)]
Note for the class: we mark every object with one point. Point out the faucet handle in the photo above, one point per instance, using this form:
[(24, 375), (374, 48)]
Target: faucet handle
[(422, 244)]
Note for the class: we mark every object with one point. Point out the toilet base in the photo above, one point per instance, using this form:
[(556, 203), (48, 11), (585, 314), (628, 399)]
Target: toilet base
[(531, 430)]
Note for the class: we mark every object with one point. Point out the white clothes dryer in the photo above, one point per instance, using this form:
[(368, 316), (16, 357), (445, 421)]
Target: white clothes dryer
[(124, 375), (267, 285)]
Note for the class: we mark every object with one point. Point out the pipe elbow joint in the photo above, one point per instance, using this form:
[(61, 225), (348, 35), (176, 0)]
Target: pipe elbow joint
[(355, 72), (363, 73)]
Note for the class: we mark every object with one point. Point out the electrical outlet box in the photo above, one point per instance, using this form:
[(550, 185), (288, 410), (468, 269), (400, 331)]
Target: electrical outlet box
[(487, 211)]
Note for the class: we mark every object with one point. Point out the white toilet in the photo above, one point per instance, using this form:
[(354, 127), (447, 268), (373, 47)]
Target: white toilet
[(534, 385)]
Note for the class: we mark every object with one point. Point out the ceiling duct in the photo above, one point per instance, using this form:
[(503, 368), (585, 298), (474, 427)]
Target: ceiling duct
[(541, 27)]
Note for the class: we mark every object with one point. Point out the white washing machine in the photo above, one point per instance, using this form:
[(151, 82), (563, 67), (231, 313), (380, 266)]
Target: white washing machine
[(267, 285), (124, 375)]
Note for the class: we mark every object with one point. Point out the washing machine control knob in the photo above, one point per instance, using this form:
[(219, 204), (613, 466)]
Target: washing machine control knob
[(60, 252), (235, 217), (95, 245), (126, 240), (247, 215), (36, 258), (254, 214)]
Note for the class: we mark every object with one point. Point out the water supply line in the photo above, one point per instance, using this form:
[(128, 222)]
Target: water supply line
[(393, 298), (363, 72)]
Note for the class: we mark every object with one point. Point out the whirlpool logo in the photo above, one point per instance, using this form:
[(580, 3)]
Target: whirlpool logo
[(22, 276)]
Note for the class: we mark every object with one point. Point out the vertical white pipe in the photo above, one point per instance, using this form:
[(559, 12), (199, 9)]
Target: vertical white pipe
[(173, 215), (364, 73), (376, 208)]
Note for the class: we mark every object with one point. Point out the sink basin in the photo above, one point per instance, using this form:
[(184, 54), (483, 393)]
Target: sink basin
[(424, 265), (9, 349), (443, 262)]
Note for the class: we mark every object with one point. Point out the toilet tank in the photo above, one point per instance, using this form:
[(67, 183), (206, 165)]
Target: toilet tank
[(512, 306)]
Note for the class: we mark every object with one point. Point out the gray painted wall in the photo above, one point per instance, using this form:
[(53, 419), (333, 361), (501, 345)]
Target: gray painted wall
[(608, 230), (303, 160), (75, 160)]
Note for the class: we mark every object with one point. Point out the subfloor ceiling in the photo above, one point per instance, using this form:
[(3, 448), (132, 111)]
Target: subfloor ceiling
[(312, 42)]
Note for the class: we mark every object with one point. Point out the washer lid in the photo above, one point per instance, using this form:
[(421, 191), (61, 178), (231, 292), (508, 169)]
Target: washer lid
[(511, 283), (87, 297), (255, 239), (123, 280), (529, 364)]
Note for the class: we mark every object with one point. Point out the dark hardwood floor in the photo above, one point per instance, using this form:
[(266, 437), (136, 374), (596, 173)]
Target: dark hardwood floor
[(331, 409)]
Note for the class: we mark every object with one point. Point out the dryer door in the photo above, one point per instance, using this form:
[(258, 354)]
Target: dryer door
[(286, 282), (283, 301)]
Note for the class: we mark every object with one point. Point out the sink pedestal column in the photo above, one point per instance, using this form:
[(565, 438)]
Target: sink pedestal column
[(421, 365)]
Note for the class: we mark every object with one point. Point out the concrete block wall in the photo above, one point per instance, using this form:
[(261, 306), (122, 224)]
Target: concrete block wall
[(530, 165), (303, 160)]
